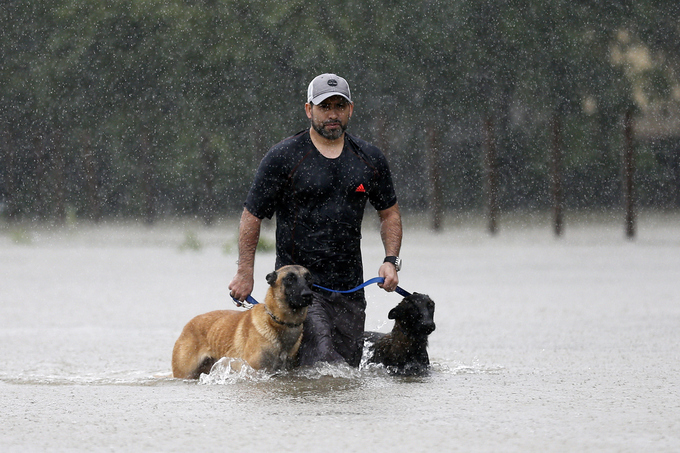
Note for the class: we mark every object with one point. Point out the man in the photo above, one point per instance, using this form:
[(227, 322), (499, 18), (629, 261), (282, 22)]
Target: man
[(317, 182)]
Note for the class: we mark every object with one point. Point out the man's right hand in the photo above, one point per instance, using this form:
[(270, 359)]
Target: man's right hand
[(249, 234), (241, 286)]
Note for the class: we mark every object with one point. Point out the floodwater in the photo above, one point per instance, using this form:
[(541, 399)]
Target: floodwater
[(542, 344)]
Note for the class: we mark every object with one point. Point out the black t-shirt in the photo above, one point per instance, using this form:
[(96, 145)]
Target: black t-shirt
[(319, 204)]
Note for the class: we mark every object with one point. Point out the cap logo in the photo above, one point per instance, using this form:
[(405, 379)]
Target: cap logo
[(332, 82)]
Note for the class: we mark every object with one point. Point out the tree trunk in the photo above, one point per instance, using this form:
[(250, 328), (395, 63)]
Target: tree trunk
[(629, 173), (91, 180), (556, 174), (436, 198), (208, 176), (10, 172), (148, 178), (59, 177), (491, 165)]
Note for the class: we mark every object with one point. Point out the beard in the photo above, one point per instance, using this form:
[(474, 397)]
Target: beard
[(329, 134)]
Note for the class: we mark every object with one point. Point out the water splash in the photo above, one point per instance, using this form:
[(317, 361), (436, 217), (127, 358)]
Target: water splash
[(456, 368), (333, 370), (228, 371), (232, 371), (442, 367)]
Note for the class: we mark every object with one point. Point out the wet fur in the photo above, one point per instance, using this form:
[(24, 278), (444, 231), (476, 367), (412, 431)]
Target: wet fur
[(404, 349), (254, 335)]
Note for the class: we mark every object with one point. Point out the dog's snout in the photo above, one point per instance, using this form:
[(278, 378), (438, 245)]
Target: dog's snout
[(306, 290), (299, 293), (429, 327), (307, 295)]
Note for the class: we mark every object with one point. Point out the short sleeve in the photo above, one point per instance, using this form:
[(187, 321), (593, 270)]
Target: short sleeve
[(265, 192), (382, 196)]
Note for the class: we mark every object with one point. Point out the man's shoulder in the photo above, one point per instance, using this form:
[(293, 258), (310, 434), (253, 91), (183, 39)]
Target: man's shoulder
[(287, 152), (363, 145), (370, 152), (299, 140)]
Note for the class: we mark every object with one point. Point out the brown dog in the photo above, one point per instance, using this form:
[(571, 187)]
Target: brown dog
[(267, 336)]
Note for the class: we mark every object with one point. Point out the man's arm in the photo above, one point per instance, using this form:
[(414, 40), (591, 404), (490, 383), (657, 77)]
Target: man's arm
[(249, 234), (391, 233)]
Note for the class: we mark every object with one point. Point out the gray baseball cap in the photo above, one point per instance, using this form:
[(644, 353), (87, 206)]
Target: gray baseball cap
[(325, 86)]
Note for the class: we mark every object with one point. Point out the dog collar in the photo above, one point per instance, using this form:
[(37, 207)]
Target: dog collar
[(283, 323)]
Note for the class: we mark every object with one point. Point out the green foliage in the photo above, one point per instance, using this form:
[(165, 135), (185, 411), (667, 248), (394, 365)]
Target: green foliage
[(191, 242), (263, 245), (20, 236), (266, 245)]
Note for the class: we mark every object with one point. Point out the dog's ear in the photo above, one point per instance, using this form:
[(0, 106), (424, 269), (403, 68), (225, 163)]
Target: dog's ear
[(271, 278), (396, 313)]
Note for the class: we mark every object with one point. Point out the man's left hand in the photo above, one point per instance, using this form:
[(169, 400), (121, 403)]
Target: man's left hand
[(389, 273)]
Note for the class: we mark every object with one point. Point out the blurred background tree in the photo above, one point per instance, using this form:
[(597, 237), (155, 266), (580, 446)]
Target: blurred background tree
[(148, 109)]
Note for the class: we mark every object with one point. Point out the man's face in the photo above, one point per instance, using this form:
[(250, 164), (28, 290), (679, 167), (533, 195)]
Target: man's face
[(331, 117)]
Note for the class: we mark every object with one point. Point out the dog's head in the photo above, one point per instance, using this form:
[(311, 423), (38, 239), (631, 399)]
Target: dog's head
[(293, 283), (415, 314)]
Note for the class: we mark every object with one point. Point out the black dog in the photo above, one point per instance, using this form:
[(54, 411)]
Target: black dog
[(404, 350)]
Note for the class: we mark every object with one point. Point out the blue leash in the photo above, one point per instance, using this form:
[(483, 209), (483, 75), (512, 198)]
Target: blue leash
[(247, 304), (398, 290), (250, 301)]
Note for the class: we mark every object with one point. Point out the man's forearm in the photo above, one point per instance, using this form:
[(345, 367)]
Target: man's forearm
[(249, 235), (390, 230)]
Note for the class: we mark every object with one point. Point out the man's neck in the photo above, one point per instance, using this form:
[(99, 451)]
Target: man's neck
[(330, 149)]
